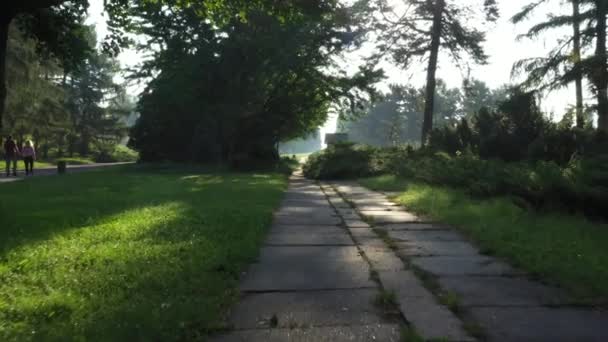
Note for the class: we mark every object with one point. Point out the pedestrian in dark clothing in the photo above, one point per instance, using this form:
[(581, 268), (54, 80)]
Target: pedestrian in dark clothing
[(11, 152), (29, 155)]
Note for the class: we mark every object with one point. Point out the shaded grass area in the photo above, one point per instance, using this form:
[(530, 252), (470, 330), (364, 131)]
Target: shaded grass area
[(566, 250), (128, 253)]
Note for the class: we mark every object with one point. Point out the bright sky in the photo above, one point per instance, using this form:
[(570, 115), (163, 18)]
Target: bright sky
[(501, 45)]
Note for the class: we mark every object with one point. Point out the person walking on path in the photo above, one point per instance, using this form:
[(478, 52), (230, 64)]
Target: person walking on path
[(29, 156), (10, 155)]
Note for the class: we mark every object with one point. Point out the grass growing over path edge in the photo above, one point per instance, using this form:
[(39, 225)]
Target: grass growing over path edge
[(565, 250)]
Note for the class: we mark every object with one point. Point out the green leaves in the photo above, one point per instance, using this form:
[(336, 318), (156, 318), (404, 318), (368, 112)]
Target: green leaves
[(231, 87)]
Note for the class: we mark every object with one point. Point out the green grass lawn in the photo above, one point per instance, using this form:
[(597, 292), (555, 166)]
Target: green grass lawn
[(562, 249), (128, 254)]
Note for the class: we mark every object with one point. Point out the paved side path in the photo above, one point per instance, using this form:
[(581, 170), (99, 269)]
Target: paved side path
[(310, 282), (52, 171), (497, 301)]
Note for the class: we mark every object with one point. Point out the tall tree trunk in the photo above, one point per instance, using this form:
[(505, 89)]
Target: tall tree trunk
[(580, 118), (600, 70), (5, 22), (431, 81)]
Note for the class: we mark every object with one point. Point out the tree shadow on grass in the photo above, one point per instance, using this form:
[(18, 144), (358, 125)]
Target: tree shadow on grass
[(41, 208), (160, 265)]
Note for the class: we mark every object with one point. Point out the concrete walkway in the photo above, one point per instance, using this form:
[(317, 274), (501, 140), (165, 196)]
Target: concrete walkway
[(48, 171), (323, 269), (311, 282), (494, 301)]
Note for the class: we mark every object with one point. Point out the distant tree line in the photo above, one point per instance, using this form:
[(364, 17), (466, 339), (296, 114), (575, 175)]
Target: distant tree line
[(231, 79), (66, 112), (398, 117)]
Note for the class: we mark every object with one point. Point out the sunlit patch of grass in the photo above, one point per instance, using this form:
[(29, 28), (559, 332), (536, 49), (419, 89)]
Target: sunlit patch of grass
[(563, 249), (127, 255)]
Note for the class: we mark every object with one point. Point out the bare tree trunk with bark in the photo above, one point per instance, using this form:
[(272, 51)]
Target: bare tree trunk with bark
[(431, 81), (600, 70), (5, 22), (580, 117)]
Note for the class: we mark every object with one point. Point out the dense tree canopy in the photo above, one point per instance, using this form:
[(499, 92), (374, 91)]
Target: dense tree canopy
[(233, 92), (229, 80)]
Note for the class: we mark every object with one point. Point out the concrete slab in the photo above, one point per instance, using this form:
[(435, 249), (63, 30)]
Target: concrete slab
[(332, 195), (430, 320), (378, 205), (437, 248), (295, 229), (303, 309), (279, 254), (347, 211), (301, 196), (308, 239), (307, 268), (363, 233), (307, 276), (542, 324), (371, 241), (303, 220), (382, 217), (433, 321), (349, 188), (363, 193), (424, 236), (341, 205), (382, 259), (339, 202), (350, 216), (305, 210), (417, 226), (303, 186), (385, 207), (404, 283), (459, 266), (502, 291), (356, 224), (316, 215), (305, 203), (289, 254), (365, 333), (372, 201)]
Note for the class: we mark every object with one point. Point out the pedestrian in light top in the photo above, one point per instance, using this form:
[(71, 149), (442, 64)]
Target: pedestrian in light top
[(29, 156)]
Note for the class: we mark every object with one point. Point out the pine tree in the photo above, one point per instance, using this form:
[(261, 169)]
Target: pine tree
[(566, 63), (426, 28)]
